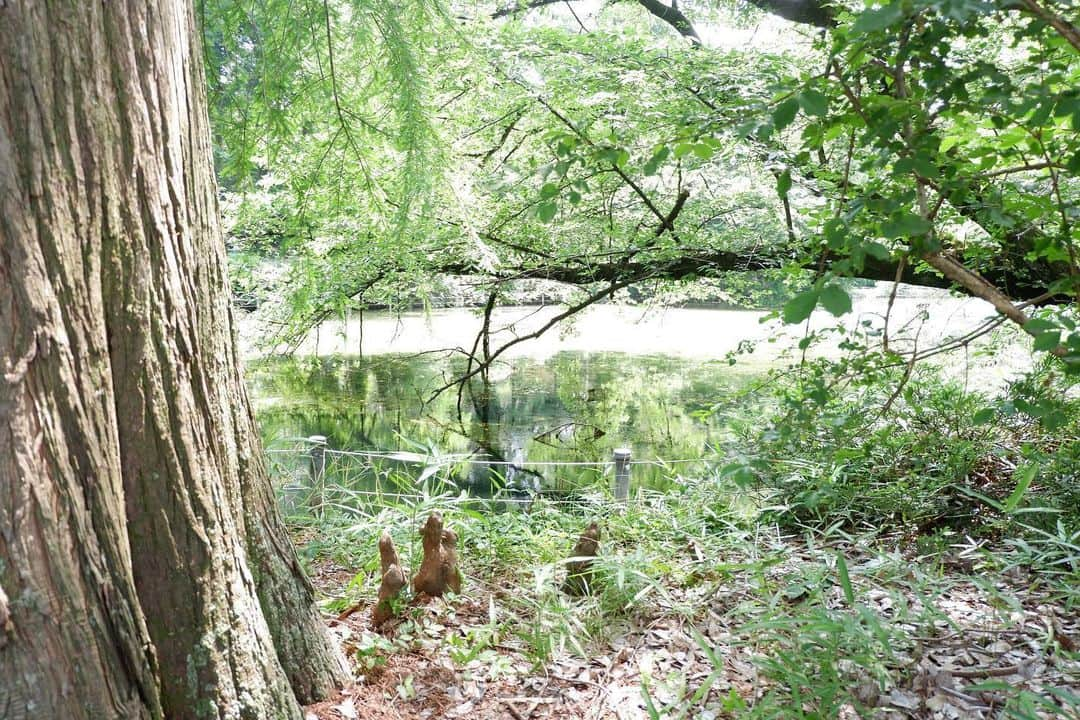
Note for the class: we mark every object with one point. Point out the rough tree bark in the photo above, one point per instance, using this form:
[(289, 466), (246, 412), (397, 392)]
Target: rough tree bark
[(144, 570)]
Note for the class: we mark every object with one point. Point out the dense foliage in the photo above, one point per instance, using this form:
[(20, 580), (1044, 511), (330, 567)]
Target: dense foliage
[(369, 153), (378, 156), (381, 149)]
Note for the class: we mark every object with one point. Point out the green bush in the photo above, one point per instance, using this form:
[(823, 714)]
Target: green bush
[(915, 453)]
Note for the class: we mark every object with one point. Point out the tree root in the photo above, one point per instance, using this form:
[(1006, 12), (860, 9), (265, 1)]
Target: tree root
[(580, 575), (438, 570)]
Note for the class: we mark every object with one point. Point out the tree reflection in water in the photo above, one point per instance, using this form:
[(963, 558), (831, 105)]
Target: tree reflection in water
[(574, 407)]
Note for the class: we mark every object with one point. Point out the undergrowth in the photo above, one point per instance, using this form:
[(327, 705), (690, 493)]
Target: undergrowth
[(827, 619), (827, 555), (870, 447)]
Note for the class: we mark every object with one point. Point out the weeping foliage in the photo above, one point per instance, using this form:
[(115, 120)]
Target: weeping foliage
[(325, 147), (525, 151), (379, 150)]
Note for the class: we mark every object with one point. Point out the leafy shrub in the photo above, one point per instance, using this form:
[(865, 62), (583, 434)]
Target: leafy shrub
[(919, 452)]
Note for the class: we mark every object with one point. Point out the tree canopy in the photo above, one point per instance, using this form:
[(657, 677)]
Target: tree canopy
[(636, 145)]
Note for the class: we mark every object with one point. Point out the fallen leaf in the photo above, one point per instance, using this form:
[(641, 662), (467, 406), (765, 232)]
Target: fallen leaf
[(904, 699), (346, 709)]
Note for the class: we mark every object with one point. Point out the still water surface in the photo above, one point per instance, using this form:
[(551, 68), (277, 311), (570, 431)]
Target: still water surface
[(657, 382), (572, 407), (654, 381)]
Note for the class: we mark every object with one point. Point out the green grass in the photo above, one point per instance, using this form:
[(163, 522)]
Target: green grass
[(817, 567), (807, 606)]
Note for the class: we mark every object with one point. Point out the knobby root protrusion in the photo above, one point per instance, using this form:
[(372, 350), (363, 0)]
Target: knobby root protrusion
[(438, 570), (387, 552), (580, 575), (393, 580)]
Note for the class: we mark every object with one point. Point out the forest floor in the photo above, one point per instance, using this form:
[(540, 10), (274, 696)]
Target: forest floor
[(759, 624)]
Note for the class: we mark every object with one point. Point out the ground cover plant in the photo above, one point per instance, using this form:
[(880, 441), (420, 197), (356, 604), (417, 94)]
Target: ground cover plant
[(842, 573)]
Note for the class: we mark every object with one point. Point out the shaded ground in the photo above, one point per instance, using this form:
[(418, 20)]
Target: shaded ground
[(841, 629)]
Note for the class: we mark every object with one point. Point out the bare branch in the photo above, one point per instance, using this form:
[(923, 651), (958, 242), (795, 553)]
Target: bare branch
[(483, 366)]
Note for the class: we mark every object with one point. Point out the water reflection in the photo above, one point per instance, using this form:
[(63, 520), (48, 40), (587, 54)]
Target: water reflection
[(498, 434)]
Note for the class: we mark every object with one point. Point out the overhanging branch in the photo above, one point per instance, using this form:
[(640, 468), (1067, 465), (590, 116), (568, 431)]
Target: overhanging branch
[(625, 268), (670, 14), (804, 12)]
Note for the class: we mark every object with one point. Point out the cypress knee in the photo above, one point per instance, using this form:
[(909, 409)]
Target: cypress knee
[(393, 580), (580, 575), (438, 570)]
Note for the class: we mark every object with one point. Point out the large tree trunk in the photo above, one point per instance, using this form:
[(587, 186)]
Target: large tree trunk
[(138, 534), (314, 665)]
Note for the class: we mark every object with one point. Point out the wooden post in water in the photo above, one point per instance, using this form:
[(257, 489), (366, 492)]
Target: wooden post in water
[(317, 467), (622, 474)]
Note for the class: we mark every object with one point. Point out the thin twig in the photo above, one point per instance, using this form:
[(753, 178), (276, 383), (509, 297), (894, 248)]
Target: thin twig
[(892, 299), (513, 710)]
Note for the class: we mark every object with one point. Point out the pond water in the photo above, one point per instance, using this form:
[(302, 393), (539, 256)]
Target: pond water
[(657, 382), (514, 432)]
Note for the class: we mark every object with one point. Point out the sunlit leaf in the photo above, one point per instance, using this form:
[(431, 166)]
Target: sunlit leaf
[(799, 307), (835, 299)]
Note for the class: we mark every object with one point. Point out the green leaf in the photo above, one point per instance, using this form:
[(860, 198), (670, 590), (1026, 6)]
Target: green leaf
[(877, 250), (548, 191), (1047, 341), (903, 166), (948, 142), (1073, 165), (878, 18), (845, 579), (683, 149), (653, 165), (546, 211), (614, 155), (925, 167), (1038, 326), (650, 706), (979, 496), (785, 113), (835, 232), (1023, 482), (799, 307), (703, 151), (814, 102), (984, 416), (739, 473), (835, 299), (904, 225), (783, 183)]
